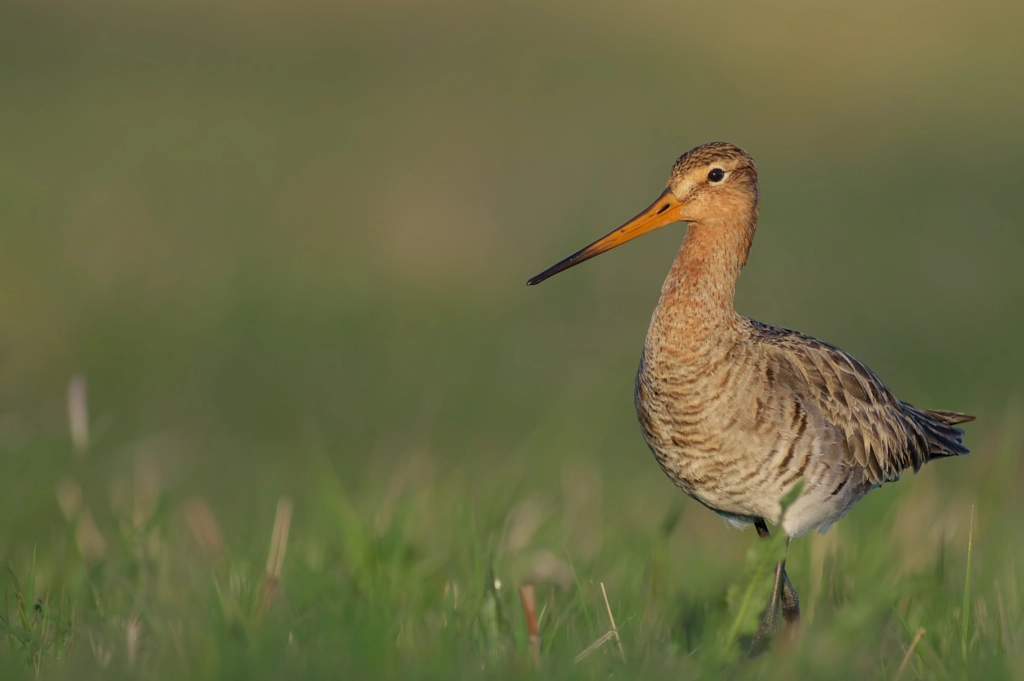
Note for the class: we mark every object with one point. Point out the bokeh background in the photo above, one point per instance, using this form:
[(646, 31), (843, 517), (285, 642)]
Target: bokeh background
[(279, 239)]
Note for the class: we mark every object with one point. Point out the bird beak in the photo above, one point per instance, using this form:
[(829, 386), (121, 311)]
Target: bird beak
[(664, 211)]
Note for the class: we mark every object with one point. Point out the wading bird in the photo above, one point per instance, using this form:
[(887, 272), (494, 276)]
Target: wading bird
[(738, 412)]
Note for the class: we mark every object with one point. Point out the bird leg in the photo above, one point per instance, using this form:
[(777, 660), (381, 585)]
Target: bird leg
[(790, 604), (790, 601), (770, 622), (783, 591)]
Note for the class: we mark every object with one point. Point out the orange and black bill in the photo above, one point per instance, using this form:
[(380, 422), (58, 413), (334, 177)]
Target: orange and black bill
[(662, 212)]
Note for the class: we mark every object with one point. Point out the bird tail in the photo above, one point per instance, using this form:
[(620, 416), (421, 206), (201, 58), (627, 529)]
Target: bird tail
[(950, 418), (937, 426)]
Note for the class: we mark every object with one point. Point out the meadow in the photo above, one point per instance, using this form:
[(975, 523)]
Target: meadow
[(275, 401)]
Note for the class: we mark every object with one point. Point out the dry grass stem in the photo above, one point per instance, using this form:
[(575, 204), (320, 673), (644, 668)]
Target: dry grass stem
[(78, 414), (910, 651), (452, 588), (529, 603), (203, 526), (100, 653), (594, 646), (279, 539), (611, 617), (132, 632), (278, 546)]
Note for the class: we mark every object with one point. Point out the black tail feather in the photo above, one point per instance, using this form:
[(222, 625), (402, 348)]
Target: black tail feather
[(937, 426)]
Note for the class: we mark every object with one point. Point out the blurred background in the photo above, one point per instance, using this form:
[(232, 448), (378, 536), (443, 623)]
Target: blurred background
[(269, 234)]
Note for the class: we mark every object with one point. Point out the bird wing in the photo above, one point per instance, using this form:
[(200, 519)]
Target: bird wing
[(880, 434)]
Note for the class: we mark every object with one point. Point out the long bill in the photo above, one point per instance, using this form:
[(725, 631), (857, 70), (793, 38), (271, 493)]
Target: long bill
[(664, 211)]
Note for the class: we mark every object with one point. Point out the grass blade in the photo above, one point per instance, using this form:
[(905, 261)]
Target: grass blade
[(966, 611), (764, 563)]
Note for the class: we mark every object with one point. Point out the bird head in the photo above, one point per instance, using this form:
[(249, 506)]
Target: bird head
[(712, 181)]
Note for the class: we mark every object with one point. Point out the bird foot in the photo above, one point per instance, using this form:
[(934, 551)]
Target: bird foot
[(763, 637), (784, 595), (790, 606)]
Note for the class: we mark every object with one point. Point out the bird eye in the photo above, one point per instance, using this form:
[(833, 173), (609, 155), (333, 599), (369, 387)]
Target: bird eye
[(716, 175)]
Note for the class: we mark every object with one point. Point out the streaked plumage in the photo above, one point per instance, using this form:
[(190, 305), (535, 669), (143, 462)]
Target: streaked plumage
[(738, 412), (739, 427)]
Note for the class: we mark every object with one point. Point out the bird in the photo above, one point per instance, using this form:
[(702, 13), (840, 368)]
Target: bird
[(740, 414)]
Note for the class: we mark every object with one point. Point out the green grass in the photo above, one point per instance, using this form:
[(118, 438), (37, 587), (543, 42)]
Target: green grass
[(415, 574), (286, 245), (423, 583)]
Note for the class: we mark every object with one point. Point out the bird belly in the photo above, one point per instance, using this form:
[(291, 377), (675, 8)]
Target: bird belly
[(714, 451), (735, 484), (716, 482)]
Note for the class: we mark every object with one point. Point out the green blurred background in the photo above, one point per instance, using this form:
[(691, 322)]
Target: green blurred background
[(267, 229)]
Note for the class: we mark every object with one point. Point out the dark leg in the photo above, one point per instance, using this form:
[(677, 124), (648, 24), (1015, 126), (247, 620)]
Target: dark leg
[(790, 601), (790, 605), (781, 591), (770, 622)]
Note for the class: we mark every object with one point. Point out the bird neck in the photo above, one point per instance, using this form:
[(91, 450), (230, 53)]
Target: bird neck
[(698, 293)]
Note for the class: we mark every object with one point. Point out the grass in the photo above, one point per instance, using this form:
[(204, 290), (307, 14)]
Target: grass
[(275, 402), (413, 585), (966, 609)]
